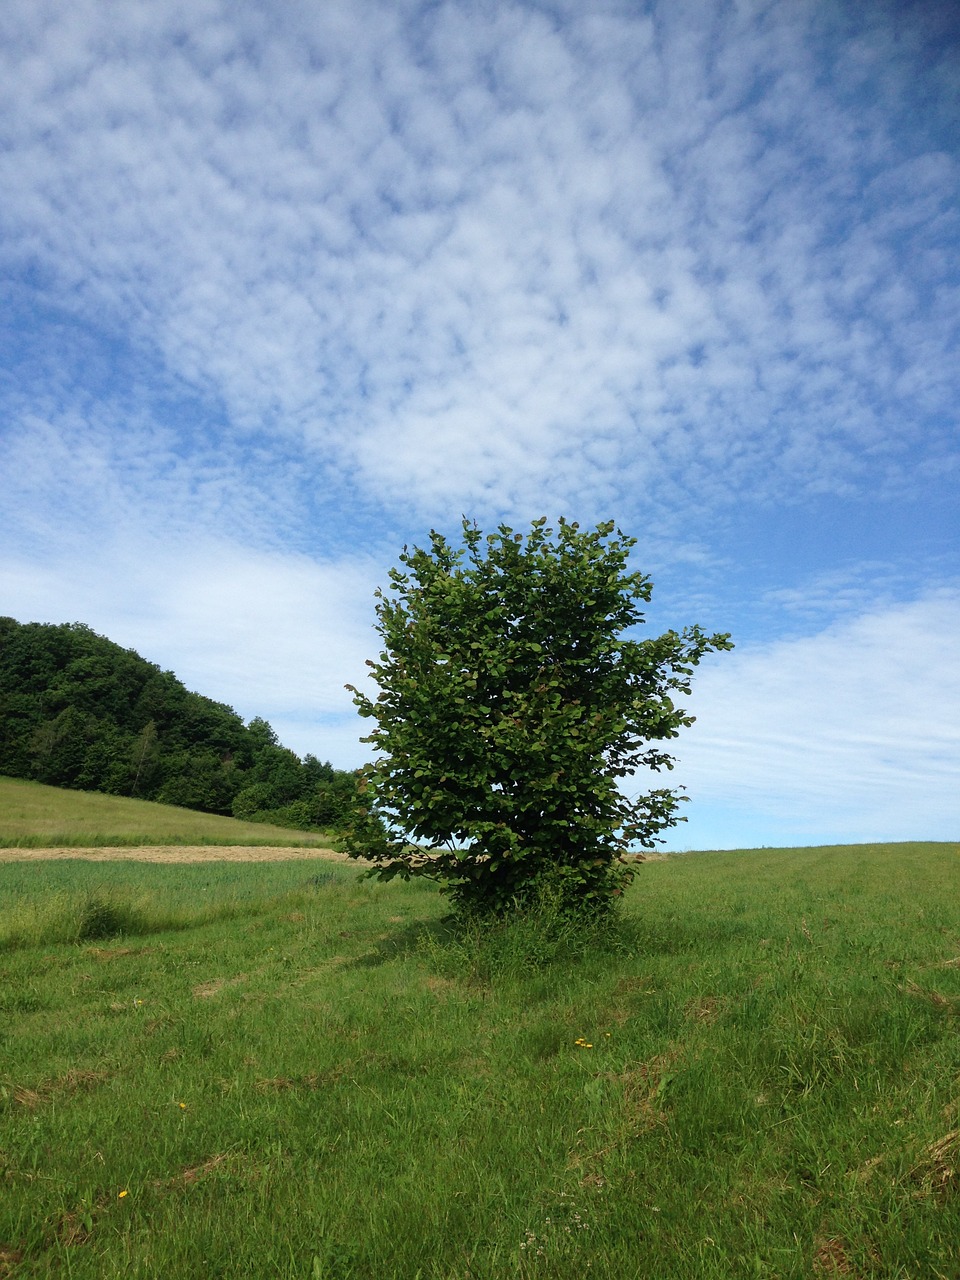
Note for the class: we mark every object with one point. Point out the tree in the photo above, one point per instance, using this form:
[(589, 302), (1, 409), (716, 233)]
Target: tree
[(511, 701)]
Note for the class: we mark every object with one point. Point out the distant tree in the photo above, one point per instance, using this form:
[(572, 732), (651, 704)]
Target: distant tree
[(59, 746), (261, 734), (317, 770), (144, 756), (197, 780), (253, 800), (511, 702)]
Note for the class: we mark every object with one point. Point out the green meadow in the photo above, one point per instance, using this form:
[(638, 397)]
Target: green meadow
[(34, 816), (285, 1070)]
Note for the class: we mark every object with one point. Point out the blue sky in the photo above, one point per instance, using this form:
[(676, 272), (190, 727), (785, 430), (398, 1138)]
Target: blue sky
[(284, 287)]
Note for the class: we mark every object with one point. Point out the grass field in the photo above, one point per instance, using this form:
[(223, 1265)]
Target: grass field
[(35, 816), (279, 1073)]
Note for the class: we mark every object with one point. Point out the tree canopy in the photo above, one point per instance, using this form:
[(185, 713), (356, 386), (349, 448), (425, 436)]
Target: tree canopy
[(513, 698)]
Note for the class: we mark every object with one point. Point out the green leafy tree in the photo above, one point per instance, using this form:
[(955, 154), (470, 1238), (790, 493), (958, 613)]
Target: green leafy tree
[(199, 780), (59, 746), (253, 800), (512, 699), (144, 756)]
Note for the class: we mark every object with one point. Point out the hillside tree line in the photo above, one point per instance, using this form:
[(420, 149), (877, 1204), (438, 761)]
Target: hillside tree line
[(78, 711)]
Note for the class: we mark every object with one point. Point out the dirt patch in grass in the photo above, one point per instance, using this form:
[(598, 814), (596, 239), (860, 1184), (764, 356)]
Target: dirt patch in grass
[(933, 997), (227, 1162), (74, 1081), (705, 1009), (937, 1172), (281, 1084), (830, 1258), (177, 853), (9, 1259), (114, 953), (207, 989)]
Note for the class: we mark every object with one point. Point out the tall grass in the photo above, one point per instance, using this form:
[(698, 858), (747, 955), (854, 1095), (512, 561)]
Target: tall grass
[(532, 938), (756, 1073), (99, 914), (74, 902)]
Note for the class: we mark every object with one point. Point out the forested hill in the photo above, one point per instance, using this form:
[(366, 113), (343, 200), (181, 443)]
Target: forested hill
[(77, 710)]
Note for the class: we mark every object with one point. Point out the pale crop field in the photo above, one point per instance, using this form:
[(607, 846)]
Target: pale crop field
[(282, 1070)]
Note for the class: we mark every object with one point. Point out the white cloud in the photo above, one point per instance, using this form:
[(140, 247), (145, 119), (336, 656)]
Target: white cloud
[(268, 634), (490, 236), (850, 734)]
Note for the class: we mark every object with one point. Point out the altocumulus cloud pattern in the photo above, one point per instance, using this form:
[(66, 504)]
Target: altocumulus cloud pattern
[(284, 286)]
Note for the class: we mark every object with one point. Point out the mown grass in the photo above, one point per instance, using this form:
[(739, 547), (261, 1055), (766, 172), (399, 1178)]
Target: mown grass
[(33, 816), (756, 1074)]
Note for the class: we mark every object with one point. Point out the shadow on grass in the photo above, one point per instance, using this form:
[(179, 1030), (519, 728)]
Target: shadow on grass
[(511, 945), (407, 941), (691, 934)]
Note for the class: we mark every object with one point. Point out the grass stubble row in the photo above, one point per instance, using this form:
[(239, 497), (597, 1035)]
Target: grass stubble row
[(283, 1070)]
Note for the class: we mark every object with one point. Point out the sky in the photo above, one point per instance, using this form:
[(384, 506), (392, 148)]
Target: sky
[(285, 287)]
